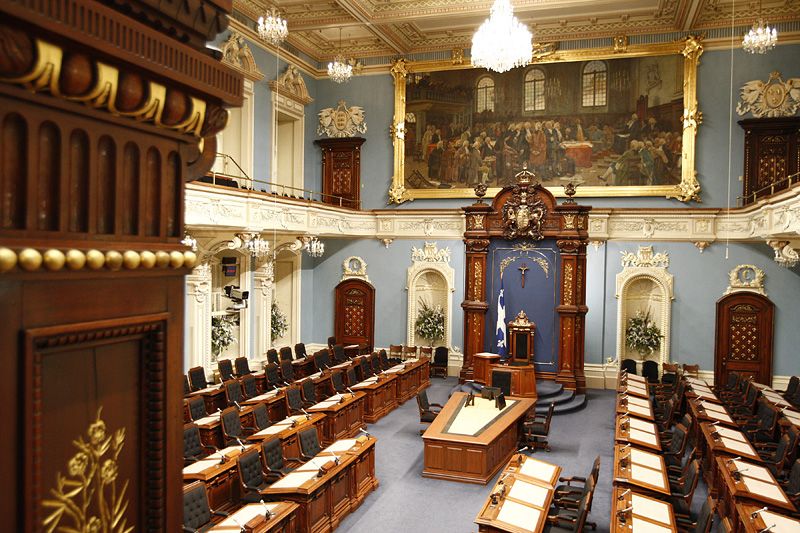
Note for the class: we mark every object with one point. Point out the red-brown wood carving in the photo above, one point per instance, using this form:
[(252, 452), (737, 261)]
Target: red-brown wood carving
[(743, 341), (568, 224), (341, 171), (354, 321)]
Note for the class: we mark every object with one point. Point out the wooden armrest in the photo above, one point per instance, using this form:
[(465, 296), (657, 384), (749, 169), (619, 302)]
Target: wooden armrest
[(440, 406), (293, 459), (219, 513)]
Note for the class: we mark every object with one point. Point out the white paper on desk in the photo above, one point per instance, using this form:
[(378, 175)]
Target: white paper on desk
[(529, 493), (313, 464), (642, 526), (764, 489), (637, 388), (642, 436), (738, 446), (272, 430), (709, 406), (635, 377), (200, 466), (647, 475), (652, 509), (325, 404), (365, 383), (731, 434), (518, 515), (649, 460), (642, 425), (210, 419), (702, 394), (641, 402), (783, 524), (644, 411), (722, 417), (752, 470), (538, 469), (245, 514), (341, 445), (265, 396), (294, 479), (792, 416)]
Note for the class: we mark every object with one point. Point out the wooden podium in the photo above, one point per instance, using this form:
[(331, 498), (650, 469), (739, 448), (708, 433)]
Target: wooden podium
[(481, 363), (523, 379)]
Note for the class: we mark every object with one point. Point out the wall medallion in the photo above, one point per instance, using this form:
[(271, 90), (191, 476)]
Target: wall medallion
[(342, 121), (773, 98), (524, 213)]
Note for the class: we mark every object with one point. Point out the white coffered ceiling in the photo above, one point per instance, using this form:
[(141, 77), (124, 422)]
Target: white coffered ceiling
[(401, 27)]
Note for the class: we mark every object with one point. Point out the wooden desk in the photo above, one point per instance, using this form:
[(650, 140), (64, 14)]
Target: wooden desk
[(344, 416), (523, 379), (764, 519), (221, 477), (275, 402), (303, 367), (381, 396), (211, 426), (719, 441), (635, 388), (640, 468), (213, 396), (635, 406), (753, 484), (472, 457), (325, 500), (480, 365), (252, 518), (412, 376), (521, 497), (630, 429), (701, 391), (633, 512), (287, 430)]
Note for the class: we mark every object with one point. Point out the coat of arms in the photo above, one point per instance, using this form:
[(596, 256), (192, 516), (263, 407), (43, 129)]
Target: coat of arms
[(342, 122), (773, 98), (524, 212)]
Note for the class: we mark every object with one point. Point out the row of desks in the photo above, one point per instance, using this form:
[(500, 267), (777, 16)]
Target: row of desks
[(322, 491), (521, 498), (732, 467)]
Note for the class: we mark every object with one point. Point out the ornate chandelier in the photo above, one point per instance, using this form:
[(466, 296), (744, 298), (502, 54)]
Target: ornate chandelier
[(272, 28), (253, 243), (760, 39), (502, 42), (313, 246), (339, 70), (189, 241)]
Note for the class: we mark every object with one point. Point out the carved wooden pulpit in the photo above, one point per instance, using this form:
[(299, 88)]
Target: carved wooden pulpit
[(520, 334)]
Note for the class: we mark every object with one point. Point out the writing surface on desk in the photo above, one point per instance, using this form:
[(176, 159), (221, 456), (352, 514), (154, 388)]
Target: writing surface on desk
[(752, 470), (649, 460), (294, 479), (645, 411), (647, 475), (641, 402), (537, 469), (271, 430), (529, 493), (341, 445), (518, 515), (313, 464), (641, 425), (754, 486), (642, 436), (709, 406), (738, 446), (652, 509), (783, 524), (247, 513), (200, 466), (643, 526), (731, 434)]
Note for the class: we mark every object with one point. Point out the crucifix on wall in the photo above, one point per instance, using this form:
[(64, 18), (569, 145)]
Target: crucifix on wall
[(523, 268)]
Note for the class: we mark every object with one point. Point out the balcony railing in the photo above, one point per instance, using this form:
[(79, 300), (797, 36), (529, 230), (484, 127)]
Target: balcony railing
[(775, 187), (237, 178)]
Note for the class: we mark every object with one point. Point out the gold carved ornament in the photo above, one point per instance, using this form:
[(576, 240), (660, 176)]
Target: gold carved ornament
[(88, 497), (524, 212), (568, 277), (477, 281)]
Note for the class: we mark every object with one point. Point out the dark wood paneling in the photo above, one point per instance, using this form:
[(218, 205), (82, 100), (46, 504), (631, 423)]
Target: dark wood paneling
[(354, 315), (744, 337)]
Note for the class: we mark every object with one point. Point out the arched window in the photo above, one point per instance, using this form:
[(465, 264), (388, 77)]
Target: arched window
[(595, 75), (534, 90), (484, 97)]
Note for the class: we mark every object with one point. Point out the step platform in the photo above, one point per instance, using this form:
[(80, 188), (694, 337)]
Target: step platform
[(548, 392)]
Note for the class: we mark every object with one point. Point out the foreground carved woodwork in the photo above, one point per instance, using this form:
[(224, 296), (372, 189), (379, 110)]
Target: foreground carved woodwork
[(106, 110)]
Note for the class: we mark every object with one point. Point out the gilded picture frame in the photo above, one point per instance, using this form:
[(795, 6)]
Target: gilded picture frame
[(682, 183)]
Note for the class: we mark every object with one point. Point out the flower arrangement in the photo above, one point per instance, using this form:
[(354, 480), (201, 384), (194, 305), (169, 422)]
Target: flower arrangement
[(278, 323), (642, 334), (430, 322), (88, 496), (221, 334)]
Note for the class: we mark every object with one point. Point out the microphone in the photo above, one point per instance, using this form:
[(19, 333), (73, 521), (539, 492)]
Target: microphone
[(730, 461), (365, 432), (267, 512), (526, 447), (241, 527), (219, 412), (622, 495), (350, 391), (308, 416), (285, 383), (239, 407), (241, 444), (623, 511), (767, 529), (754, 514), (222, 458)]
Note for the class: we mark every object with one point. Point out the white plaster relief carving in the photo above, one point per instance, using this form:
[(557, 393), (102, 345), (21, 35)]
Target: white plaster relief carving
[(773, 98), (354, 267), (746, 278), (430, 278), (342, 121), (430, 253)]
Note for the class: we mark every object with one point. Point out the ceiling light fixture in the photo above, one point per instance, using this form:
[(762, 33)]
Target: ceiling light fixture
[(502, 42), (340, 70), (272, 28), (761, 38)]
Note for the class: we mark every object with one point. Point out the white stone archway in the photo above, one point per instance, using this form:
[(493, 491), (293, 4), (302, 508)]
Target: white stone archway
[(644, 285), (430, 278)]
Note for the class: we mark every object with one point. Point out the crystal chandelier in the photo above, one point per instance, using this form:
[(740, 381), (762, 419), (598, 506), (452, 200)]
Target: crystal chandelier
[(272, 28), (339, 70), (189, 241), (760, 39), (313, 246), (251, 243), (502, 42)]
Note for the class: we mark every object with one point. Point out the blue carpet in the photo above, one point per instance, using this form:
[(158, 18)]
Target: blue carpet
[(406, 502)]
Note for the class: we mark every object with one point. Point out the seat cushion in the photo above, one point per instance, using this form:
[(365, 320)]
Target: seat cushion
[(427, 417)]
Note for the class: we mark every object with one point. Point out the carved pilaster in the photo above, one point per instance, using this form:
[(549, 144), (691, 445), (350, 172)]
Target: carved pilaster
[(572, 314), (263, 287), (198, 317)]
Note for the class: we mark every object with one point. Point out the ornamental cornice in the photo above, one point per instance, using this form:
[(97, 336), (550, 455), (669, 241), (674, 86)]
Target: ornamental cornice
[(207, 206)]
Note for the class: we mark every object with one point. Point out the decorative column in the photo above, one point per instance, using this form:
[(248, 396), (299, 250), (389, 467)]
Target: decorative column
[(475, 304), (198, 316), (263, 287), (572, 309)]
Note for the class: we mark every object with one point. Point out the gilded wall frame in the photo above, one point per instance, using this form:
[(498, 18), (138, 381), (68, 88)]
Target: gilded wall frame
[(686, 189)]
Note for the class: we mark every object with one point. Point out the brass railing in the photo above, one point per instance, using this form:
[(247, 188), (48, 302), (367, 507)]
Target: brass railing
[(774, 187), (241, 180)]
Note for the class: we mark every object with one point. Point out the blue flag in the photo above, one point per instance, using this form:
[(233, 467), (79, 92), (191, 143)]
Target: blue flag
[(500, 331)]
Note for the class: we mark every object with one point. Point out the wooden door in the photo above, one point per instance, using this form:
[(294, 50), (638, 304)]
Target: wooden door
[(355, 313), (744, 337), (341, 171)]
